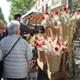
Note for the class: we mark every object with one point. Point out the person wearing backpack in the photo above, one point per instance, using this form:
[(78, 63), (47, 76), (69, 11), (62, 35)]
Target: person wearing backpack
[(16, 62)]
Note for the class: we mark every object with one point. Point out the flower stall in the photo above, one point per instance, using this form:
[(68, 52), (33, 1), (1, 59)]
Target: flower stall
[(55, 45), (51, 45)]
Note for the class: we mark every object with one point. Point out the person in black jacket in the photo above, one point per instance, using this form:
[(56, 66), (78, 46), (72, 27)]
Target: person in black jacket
[(24, 29)]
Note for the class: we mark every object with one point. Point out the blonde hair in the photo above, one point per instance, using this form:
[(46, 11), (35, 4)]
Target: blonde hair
[(2, 25)]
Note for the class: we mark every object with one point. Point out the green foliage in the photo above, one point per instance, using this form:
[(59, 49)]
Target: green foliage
[(2, 16), (20, 6)]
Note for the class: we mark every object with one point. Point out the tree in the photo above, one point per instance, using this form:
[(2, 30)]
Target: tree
[(2, 16), (20, 6)]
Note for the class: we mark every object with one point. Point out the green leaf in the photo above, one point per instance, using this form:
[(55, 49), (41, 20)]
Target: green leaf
[(2, 16), (20, 6)]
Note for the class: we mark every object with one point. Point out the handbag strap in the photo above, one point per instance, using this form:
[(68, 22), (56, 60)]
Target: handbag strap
[(11, 48)]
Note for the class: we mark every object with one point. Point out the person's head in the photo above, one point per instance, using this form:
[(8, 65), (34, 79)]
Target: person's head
[(2, 26), (17, 17), (13, 27)]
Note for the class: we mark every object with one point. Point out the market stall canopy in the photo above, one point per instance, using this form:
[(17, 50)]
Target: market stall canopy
[(33, 16), (36, 18)]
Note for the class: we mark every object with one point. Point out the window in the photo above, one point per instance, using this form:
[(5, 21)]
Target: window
[(42, 8), (46, 8), (55, 2)]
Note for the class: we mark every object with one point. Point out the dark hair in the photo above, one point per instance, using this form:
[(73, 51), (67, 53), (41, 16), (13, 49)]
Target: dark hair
[(16, 16)]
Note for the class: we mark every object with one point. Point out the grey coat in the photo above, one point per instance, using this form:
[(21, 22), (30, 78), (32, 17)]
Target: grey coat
[(16, 63)]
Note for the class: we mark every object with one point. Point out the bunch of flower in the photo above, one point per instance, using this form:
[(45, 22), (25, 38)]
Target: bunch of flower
[(56, 17), (50, 45), (57, 46)]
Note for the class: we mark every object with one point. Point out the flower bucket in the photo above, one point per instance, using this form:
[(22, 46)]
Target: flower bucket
[(53, 62)]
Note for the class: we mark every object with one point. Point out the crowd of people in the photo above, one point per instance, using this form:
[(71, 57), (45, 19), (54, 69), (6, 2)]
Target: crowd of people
[(18, 50)]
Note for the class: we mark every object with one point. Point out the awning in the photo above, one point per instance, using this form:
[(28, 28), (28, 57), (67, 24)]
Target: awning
[(31, 12), (36, 18), (33, 16)]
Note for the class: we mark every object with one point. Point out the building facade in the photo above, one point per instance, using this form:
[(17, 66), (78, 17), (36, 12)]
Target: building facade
[(44, 6), (48, 5)]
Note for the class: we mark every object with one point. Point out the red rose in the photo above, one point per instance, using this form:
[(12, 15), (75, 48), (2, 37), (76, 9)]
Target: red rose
[(56, 49)]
